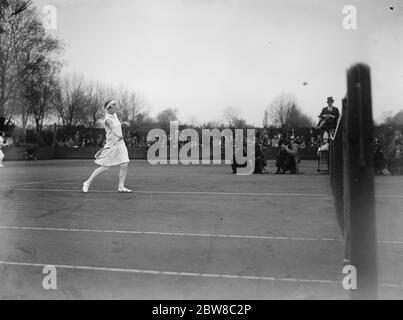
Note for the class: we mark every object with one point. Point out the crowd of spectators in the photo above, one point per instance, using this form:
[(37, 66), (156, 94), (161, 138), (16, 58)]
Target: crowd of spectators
[(78, 140), (274, 139), (388, 152), (284, 145)]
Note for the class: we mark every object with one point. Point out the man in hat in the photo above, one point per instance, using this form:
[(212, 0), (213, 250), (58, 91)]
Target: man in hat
[(329, 116)]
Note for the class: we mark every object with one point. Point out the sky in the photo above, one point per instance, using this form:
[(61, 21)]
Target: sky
[(202, 56)]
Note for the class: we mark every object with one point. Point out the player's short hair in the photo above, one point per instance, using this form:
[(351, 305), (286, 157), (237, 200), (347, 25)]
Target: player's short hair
[(1, 133), (107, 103)]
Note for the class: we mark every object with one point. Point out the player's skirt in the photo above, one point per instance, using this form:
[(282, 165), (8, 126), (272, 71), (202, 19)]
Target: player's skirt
[(118, 156)]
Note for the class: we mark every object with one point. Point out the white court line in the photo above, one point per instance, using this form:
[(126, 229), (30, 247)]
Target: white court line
[(178, 192), (172, 273), (199, 193), (180, 234), (175, 234), (188, 274), (17, 183)]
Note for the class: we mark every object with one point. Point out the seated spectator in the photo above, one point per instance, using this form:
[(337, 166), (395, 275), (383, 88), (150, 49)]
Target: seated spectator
[(288, 159), (275, 142), (293, 150), (70, 143), (260, 161), (10, 141), (313, 142), (99, 141), (329, 116), (285, 160), (30, 153)]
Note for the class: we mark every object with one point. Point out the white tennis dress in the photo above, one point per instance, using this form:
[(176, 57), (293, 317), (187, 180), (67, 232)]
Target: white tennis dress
[(119, 153)]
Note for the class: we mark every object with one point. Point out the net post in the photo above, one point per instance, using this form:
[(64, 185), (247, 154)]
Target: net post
[(359, 182)]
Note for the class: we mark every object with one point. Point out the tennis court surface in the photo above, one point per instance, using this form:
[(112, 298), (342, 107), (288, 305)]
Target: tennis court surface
[(187, 232)]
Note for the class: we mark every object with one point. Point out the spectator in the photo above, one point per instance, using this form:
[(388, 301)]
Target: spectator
[(394, 161), (260, 161), (329, 116), (379, 158), (77, 138), (99, 141), (70, 143)]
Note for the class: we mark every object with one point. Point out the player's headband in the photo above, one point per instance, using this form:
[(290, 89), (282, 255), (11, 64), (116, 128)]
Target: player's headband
[(110, 103)]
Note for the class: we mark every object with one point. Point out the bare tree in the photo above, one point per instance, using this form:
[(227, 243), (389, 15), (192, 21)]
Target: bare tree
[(10, 9), (41, 91), (396, 119), (213, 124), (81, 101), (167, 115), (231, 115), (37, 66), (283, 111), (96, 94), (72, 101), (131, 104), (24, 49)]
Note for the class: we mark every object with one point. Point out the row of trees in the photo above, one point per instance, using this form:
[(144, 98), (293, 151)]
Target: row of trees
[(79, 102), (31, 85), (283, 112), (29, 64), (391, 119)]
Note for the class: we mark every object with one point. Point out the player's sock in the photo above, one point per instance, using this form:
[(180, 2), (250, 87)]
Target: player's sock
[(122, 176)]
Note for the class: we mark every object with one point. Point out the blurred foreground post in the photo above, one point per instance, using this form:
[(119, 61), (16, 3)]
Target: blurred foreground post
[(359, 182)]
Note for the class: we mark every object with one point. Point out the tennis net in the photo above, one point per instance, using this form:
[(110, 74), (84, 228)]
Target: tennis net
[(336, 171), (352, 180)]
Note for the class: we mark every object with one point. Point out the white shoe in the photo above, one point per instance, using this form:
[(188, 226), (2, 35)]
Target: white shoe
[(86, 186), (124, 190), (1, 166)]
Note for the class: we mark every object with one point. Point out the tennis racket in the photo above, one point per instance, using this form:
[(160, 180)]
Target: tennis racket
[(105, 151)]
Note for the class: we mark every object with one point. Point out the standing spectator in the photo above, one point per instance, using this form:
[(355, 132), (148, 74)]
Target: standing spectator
[(54, 143), (77, 138), (394, 161), (379, 158), (99, 141)]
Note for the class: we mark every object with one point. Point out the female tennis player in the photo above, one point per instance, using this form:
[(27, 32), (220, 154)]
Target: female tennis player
[(116, 151)]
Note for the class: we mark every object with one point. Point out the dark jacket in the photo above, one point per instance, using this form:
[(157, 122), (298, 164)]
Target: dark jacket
[(335, 113), (332, 121)]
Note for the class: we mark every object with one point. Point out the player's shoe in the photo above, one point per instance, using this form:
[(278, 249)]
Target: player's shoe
[(1, 166), (86, 186), (124, 190)]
